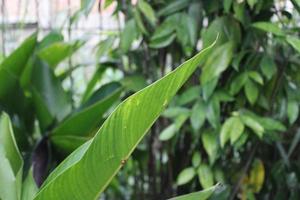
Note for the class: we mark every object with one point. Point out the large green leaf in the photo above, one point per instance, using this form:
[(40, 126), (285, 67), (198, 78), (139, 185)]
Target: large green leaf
[(10, 72), (50, 100), (202, 195), (88, 171), (11, 163)]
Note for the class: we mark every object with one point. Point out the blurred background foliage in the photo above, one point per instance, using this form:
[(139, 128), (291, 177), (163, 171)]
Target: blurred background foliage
[(235, 121)]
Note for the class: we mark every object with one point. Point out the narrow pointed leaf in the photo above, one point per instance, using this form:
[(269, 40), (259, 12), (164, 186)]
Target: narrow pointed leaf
[(82, 177)]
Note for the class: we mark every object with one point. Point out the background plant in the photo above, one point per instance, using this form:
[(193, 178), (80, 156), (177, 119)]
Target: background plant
[(235, 121)]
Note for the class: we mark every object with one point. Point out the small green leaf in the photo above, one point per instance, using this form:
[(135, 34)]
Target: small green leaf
[(189, 95), (186, 176), (128, 35), (147, 11), (271, 124), (238, 83), (217, 62), (198, 115), (196, 159), (292, 111), (268, 27), (210, 143), (186, 31), (172, 112), (209, 88), (213, 112), (162, 42), (205, 176), (253, 124), (232, 129), (268, 67), (173, 7), (139, 21), (251, 91), (226, 27), (255, 76), (167, 28), (168, 132)]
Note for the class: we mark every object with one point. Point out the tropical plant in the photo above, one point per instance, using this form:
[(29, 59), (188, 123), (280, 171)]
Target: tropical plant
[(235, 121), (90, 168)]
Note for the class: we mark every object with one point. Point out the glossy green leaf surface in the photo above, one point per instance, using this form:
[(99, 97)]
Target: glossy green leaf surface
[(81, 176)]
